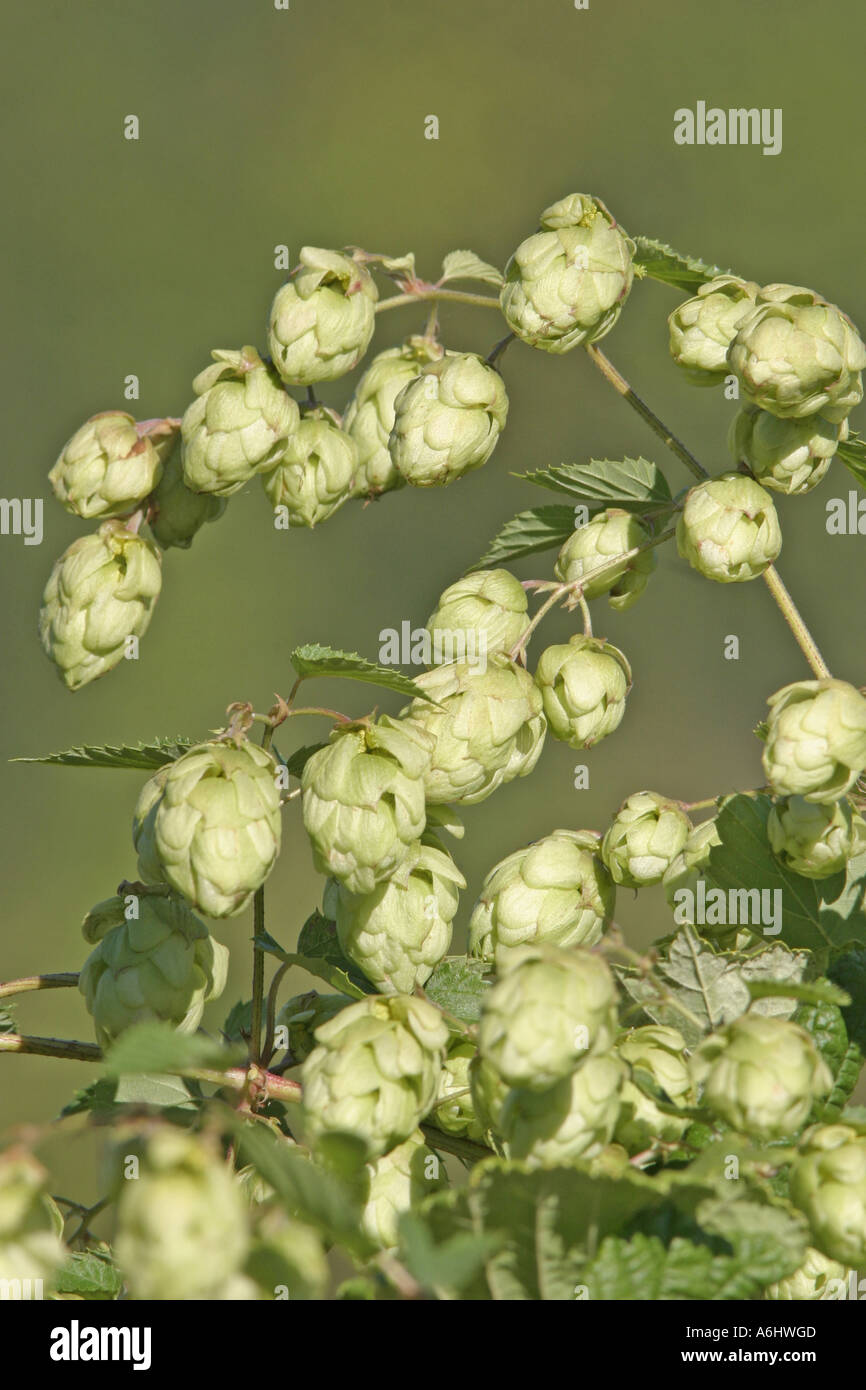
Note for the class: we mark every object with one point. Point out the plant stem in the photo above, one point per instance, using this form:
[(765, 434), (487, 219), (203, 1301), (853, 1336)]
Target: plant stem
[(50, 1047), (587, 620), (452, 296), (496, 352), (791, 614), (455, 1144), (270, 1029), (619, 384), (66, 980), (328, 713), (258, 953)]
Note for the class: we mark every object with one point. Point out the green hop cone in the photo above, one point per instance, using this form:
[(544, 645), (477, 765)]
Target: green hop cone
[(789, 456), (375, 1071), (31, 1226), (448, 420), (398, 933), (182, 1223), (314, 477), (100, 594), (177, 513), (702, 328), (488, 1093), (108, 467), (691, 864), (610, 533), (644, 838), (322, 320), (238, 425), (369, 417), (487, 608), (399, 1180), (761, 1075), (363, 801), (487, 728), (163, 964), (817, 1280), (815, 840), (286, 1260), (584, 683), (828, 1184), (574, 1118), (302, 1015), (209, 825), (548, 1012), (556, 890), (797, 355), (816, 739), (566, 284), (728, 529), (660, 1052), (455, 1107)]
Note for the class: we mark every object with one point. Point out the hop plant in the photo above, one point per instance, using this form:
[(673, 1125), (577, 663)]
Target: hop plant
[(728, 529), (400, 931), (814, 840), (486, 727), (31, 1226), (363, 801), (315, 474), (455, 1105), (177, 513), (690, 865), (399, 1180), (488, 1093), (566, 284), (301, 1016), (610, 533), (374, 1072), (574, 1118), (789, 456), (644, 838), (161, 964), (209, 825), (660, 1052), (322, 320), (182, 1224), (238, 425), (702, 328), (100, 593), (285, 1258), (556, 890), (583, 684), (369, 417), (797, 355), (548, 1012), (447, 421), (816, 739), (108, 467), (491, 604), (828, 1183), (817, 1280), (761, 1074)]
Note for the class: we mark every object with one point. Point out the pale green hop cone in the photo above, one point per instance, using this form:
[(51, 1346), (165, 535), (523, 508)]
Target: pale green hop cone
[(108, 467), (574, 1118), (315, 474), (302, 1015), (369, 417), (487, 608), (702, 328), (455, 1107), (728, 529), (788, 456), (447, 421), (177, 513), (31, 1226), (399, 1180), (818, 1280), (584, 683), (761, 1075), (828, 1184), (816, 739), (812, 839), (644, 838), (660, 1052), (322, 320), (610, 533)]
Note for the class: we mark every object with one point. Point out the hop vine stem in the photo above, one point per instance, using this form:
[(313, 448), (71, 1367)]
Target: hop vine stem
[(258, 953), (483, 301)]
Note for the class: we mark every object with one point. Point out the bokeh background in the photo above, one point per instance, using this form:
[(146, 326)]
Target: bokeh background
[(260, 127)]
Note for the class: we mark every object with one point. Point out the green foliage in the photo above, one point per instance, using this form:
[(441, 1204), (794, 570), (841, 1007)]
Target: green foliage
[(315, 660), (661, 262), (139, 757)]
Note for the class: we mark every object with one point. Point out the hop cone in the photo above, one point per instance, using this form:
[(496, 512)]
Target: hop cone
[(584, 683), (178, 513), (31, 1226), (644, 838), (817, 1280), (814, 840), (100, 593), (489, 604), (556, 890), (488, 1093), (399, 1180), (369, 417), (455, 1108), (549, 1011), (107, 468), (209, 825), (322, 320), (702, 328), (448, 420), (286, 1258), (566, 284), (816, 739), (574, 1118), (363, 801), (314, 477), (302, 1015), (163, 964), (728, 529), (238, 425), (375, 1071), (761, 1075), (789, 456), (487, 728), (661, 1052), (400, 931), (828, 1183), (599, 542)]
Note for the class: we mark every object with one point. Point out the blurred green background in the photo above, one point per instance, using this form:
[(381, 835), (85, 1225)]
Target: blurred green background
[(259, 127)]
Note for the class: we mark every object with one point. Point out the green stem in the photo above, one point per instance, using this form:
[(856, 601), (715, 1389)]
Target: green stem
[(50, 1047), (455, 1144), (451, 296), (791, 614), (328, 713), (268, 1050), (258, 953), (67, 980)]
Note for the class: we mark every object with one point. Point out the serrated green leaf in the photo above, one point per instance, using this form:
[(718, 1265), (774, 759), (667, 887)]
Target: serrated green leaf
[(448, 1267), (662, 262), (853, 454), (322, 967), (633, 484), (541, 528), (156, 1048), (150, 1088), (458, 986), (238, 1026), (807, 992), (316, 660), (848, 971), (465, 265), (90, 1276), (7, 1019), (140, 757)]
